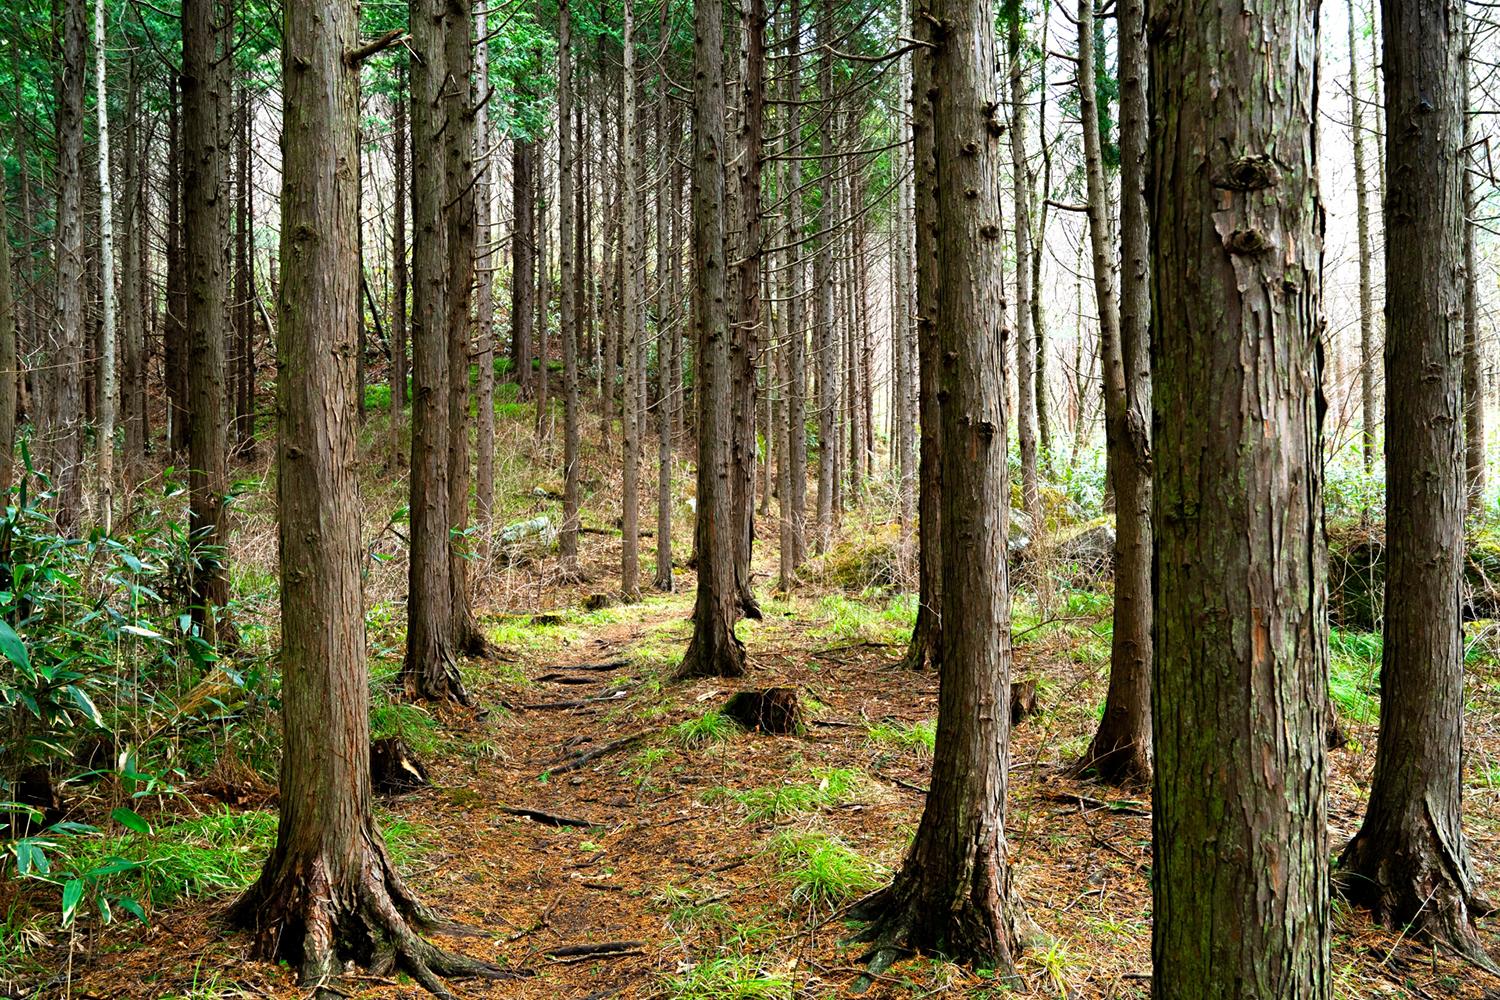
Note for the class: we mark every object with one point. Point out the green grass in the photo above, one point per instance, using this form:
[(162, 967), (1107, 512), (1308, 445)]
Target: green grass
[(823, 871), (852, 620), (919, 736), (773, 802), (1354, 674), (735, 977), (711, 727), (409, 722)]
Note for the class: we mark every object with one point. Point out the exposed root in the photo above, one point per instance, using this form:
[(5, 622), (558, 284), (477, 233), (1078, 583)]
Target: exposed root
[(296, 913), (921, 653), (714, 651), (435, 681), (1122, 764)]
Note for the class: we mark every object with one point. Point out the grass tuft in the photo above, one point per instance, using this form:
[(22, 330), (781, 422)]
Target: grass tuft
[(734, 977), (710, 727), (919, 736), (774, 802), (824, 872)]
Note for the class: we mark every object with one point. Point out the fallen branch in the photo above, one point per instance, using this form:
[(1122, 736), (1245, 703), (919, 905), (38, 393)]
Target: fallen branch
[(614, 695), (550, 819), (555, 678), (601, 948), (902, 783), (605, 666), (1084, 802), (574, 763)]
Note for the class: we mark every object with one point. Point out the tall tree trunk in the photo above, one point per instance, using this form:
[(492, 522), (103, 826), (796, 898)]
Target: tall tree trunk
[(1240, 878), (953, 893), (825, 343), (714, 650), (631, 333), (926, 644), (1409, 863), (61, 444), (9, 377), (244, 309), (132, 291), (567, 221), (484, 435), (430, 669), (329, 893), (1367, 359), (1121, 748), (522, 262), (1473, 349), (1025, 345), (1039, 241), (744, 348), (400, 275), (107, 386), (542, 379), (794, 500), (666, 317), (174, 329), (205, 228), (458, 168)]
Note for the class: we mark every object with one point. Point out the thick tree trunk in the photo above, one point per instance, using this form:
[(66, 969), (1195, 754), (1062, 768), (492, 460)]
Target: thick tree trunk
[(1409, 863), (714, 651), (567, 221), (430, 669), (1121, 749), (1367, 359), (205, 228), (632, 326), (953, 893), (1240, 877), (522, 262), (59, 438), (926, 637), (328, 893), (108, 390)]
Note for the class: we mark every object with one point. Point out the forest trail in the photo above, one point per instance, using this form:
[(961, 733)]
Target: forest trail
[(717, 863)]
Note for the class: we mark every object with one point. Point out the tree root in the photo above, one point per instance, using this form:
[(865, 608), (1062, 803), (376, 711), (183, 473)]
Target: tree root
[(1124, 765), (296, 913)]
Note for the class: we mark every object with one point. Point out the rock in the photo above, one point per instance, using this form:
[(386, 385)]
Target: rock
[(393, 768), (775, 710), (1356, 578), (1087, 556)]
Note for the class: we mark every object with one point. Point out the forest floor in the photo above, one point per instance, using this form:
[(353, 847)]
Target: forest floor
[(719, 863)]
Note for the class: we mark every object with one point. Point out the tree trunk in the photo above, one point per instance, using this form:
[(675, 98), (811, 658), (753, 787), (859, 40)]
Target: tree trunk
[(1409, 863), (484, 436), (1240, 878), (522, 262), (329, 892), (9, 377), (400, 277), (714, 650), (458, 168), (430, 669), (926, 637), (1367, 360), (132, 291), (1039, 241), (794, 500), (1473, 348), (953, 893), (60, 445), (1121, 749), (205, 228), (542, 379), (107, 386), (666, 317), (1025, 345), (631, 332), (567, 221), (244, 309), (174, 329)]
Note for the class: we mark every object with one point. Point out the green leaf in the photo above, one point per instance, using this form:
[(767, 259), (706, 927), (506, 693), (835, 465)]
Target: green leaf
[(104, 911), (71, 896), (12, 648), (131, 819), (131, 907), (85, 703), (30, 859)]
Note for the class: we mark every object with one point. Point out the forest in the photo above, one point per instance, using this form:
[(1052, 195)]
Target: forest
[(749, 499)]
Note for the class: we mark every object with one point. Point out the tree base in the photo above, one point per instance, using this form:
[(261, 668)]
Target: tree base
[(437, 680), (1416, 881), (1109, 760), (713, 652), (296, 913), (921, 653)]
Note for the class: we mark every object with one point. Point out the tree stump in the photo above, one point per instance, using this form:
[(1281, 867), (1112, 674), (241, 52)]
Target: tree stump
[(775, 710), (393, 768), (1024, 702)]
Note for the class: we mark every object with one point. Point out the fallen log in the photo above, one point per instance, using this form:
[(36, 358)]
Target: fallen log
[(602, 948), (600, 667), (555, 678)]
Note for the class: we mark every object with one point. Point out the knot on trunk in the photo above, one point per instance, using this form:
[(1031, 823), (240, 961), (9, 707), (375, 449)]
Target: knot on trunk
[(1252, 172)]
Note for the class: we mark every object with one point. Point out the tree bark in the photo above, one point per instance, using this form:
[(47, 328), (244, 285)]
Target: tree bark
[(329, 892), (522, 262), (400, 274), (484, 436), (430, 668), (9, 376), (567, 221), (108, 389), (666, 317), (794, 501), (1409, 863), (205, 229), (1025, 346), (825, 342), (953, 893), (714, 650), (60, 438), (926, 646), (1367, 359), (632, 331), (1473, 387), (174, 328), (1121, 748), (1240, 877)]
